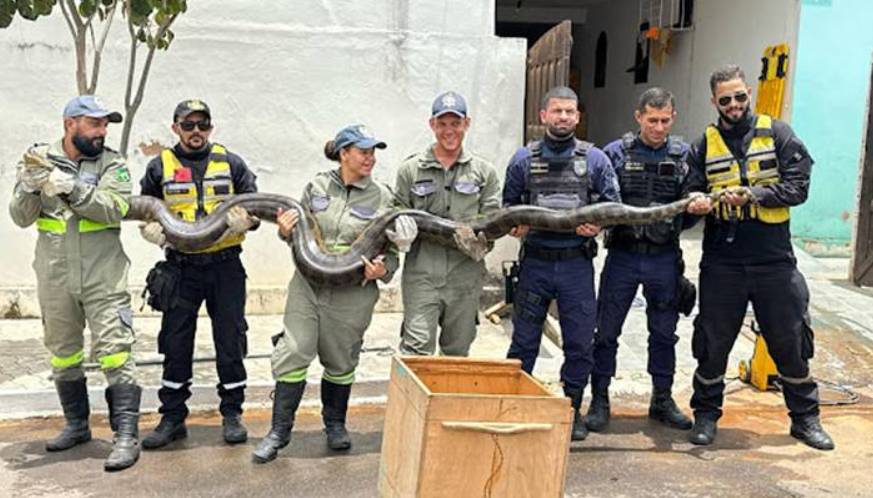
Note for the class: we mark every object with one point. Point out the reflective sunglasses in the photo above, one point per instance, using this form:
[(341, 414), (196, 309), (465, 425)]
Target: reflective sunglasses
[(740, 97), (190, 125)]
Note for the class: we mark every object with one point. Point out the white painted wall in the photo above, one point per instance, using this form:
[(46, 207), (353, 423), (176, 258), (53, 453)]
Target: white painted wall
[(282, 78), (724, 32)]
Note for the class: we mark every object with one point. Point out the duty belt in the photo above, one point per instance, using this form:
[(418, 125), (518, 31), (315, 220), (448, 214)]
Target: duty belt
[(558, 254), (203, 259), (642, 247)]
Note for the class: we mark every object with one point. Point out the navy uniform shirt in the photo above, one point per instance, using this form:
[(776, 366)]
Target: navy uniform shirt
[(755, 242), (604, 186)]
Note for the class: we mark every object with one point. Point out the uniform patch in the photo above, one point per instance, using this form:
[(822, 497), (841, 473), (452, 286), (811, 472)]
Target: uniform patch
[(122, 175)]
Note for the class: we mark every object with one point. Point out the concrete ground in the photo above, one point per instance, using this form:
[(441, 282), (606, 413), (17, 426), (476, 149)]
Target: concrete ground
[(753, 456)]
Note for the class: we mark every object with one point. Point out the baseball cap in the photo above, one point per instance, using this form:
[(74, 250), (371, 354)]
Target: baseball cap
[(449, 102), (359, 136), (189, 107), (90, 106)]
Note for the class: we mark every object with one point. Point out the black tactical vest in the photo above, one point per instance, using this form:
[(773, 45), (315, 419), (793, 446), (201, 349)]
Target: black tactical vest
[(559, 183), (645, 184)]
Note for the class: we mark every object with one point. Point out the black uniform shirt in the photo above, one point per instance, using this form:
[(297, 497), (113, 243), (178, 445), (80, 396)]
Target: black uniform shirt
[(755, 242)]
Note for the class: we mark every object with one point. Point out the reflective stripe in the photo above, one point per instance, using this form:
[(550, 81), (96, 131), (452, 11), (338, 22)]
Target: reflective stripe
[(295, 376), (122, 204), (68, 361), (174, 385), (796, 380), (708, 382), (340, 248), (86, 226), (234, 385), (342, 380), (51, 225), (115, 360)]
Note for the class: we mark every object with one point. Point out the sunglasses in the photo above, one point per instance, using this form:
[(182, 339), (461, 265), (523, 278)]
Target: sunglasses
[(190, 125), (739, 97)]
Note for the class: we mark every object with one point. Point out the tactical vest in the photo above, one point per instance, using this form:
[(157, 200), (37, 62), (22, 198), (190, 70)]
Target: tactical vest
[(188, 202), (758, 167), (559, 183), (646, 184)]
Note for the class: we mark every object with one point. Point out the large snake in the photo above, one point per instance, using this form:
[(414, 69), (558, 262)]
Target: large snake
[(323, 267)]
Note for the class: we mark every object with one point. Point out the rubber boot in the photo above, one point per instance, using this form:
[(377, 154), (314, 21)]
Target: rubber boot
[(598, 410), (74, 400), (580, 431), (286, 399), (663, 409), (165, 433), (703, 432), (334, 405), (809, 430), (123, 401)]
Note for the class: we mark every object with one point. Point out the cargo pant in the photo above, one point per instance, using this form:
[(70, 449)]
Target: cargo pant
[(326, 322)]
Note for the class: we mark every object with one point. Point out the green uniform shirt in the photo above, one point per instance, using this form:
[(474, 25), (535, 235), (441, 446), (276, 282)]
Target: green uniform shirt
[(343, 212), (463, 192)]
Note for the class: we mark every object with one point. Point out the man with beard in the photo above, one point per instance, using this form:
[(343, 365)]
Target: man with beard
[(441, 286), (77, 191), (194, 178), (558, 172), (747, 256)]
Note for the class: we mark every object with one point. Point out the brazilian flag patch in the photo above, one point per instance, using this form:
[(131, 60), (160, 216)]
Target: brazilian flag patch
[(122, 175)]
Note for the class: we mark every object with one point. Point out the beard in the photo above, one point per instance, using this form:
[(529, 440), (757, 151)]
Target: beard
[(89, 147), (734, 121), (560, 133), (201, 145)]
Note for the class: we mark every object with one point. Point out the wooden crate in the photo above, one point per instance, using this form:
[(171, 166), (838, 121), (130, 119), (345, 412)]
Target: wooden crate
[(458, 427)]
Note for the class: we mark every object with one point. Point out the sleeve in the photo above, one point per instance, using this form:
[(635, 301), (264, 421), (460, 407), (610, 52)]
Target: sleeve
[(489, 197), (24, 207), (151, 182), (516, 182), (403, 185), (603, 179), (244, 180), (615, 154), (108, 201), (795, 169), (695, 178)]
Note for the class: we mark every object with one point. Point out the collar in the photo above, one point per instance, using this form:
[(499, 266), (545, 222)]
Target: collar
[(430, 160), (361, 184), (193, 156)]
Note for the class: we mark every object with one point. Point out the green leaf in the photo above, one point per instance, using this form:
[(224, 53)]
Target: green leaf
[(140, 8), (87, 8)]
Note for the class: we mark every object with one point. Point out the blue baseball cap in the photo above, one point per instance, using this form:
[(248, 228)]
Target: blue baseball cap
[(90, 106), (449, 102), (359, 136)]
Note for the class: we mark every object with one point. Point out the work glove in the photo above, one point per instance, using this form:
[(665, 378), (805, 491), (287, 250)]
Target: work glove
[(32, 178), (59, 182), (404, 233), (153, 232), (239, 221)]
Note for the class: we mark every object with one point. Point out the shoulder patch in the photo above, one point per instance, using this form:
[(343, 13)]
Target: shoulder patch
[(122, 174)]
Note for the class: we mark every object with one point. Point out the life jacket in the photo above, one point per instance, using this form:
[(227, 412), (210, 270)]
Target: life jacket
[(758, 167), (190, 203)]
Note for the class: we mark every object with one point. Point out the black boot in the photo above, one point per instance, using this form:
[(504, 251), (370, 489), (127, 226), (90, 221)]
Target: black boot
[(123, 401), (74, 400), (598, 410), (809, 430), (165, 433), (580, 432), (663, 409), (233, 429), (334, 405), (703, 432), (286, 399)]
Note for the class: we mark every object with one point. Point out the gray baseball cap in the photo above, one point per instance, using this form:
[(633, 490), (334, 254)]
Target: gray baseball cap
[(449, 102), (92, 107), (359, 136)]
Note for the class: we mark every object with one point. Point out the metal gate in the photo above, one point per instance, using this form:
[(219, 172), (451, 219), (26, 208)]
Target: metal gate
[(548, 65), (862, 250)]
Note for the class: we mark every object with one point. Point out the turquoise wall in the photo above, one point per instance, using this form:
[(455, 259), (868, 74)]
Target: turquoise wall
[(835, 43)]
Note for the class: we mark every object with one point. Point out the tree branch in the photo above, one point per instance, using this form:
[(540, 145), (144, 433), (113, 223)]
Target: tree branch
[(98, 47)]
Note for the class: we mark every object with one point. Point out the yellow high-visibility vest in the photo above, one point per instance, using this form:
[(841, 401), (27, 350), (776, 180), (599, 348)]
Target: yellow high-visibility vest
[(723, 170), (182, 197)]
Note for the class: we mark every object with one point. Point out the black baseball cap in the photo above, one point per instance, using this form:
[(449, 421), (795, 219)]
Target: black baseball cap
[(189, 107)]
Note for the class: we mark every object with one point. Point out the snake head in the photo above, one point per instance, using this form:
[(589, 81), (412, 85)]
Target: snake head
[(35, 158), (473, 245)]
